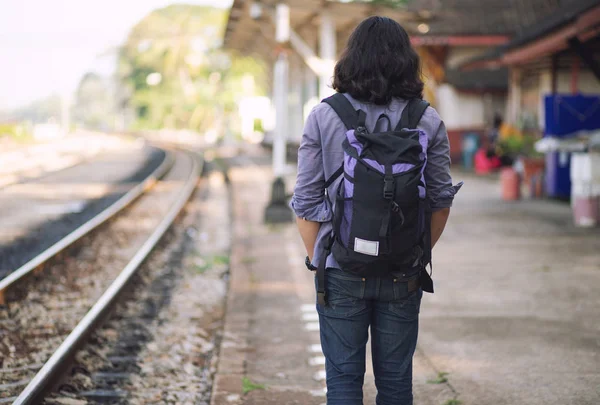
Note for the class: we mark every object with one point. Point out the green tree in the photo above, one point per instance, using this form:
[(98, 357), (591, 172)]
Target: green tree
[(388, 3), (94, 103), (38, 111), (177, 73)]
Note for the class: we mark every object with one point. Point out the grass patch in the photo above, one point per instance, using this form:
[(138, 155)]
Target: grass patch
[(275, 228), (248, 386), (221, 260), (202, 264), (248, 260), (441, 378), (201, 268), (452, 402), (19, 133)]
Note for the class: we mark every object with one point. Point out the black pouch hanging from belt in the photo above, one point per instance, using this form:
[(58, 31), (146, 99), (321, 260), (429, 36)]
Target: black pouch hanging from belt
[(426, 281), (321, 294)]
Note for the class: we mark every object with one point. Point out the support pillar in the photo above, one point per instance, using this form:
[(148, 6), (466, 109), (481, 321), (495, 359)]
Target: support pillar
[(327, 45), (295, 105), (280, 95), (277, 211), (575, 67), (546, 88), (311, 96), (554, 70), (514, 95)]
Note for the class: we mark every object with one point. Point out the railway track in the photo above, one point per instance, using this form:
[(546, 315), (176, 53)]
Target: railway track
[(39, 212), (46, 317)]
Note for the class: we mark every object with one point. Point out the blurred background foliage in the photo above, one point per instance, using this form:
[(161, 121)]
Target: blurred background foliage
[(170, 72), (94, 105), (174, 73), (389, 3)]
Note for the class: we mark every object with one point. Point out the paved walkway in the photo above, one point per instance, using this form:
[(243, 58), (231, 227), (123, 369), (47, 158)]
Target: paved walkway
[(514, 319)]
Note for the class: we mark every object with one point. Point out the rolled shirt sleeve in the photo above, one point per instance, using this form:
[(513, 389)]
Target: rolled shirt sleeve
[(309, 200), (437, 172)]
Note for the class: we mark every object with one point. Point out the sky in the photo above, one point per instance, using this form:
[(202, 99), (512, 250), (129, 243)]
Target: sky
[(47, 45)]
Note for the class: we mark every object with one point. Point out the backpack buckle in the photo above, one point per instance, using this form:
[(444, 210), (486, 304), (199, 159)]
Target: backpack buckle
[(388, 188), (360, 130)]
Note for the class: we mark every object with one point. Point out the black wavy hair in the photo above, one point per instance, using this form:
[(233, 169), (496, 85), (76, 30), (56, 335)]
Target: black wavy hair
[(379, 63)]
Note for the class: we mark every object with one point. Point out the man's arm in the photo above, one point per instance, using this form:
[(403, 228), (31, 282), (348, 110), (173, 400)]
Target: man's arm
[(309, 201), (437, 173), (438, 223), (308, 232)]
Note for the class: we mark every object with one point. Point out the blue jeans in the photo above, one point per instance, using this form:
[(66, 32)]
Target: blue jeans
[(354, 304)]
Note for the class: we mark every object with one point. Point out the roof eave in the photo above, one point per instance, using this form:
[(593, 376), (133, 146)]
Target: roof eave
[(585, 26), (459, 40)]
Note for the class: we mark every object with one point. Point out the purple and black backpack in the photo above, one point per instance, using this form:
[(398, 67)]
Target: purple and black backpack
[(382, 218)]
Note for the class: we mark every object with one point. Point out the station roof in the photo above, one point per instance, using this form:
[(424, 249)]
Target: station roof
[(249, 35), (449, 22), (478, 80), (565, 15)]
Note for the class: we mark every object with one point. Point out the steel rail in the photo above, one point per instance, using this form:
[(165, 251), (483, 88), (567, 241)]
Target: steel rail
[(87, 227), (36, 388)]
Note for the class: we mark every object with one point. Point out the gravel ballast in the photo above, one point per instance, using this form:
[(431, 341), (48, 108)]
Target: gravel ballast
[(159, 346), (43, 310)]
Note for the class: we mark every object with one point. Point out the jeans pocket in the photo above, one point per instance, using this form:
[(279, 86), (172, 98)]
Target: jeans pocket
[(408, 306), (342, 307), (345, 294), (340, 284)]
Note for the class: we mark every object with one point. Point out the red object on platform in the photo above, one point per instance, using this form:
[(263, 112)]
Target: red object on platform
[(485, 164), (511, 184)]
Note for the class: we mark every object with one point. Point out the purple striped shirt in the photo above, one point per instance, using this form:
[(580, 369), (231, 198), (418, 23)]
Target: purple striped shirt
[(320, 155)]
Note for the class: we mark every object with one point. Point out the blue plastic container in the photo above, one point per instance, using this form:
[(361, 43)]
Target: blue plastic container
[(558, 175), (470, 145), (566, 114)]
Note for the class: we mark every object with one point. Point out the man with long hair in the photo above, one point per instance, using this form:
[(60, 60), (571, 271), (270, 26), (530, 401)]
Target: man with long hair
[(379, 75)]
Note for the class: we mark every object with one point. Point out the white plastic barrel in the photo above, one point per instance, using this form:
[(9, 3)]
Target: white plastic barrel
[(585, 189)]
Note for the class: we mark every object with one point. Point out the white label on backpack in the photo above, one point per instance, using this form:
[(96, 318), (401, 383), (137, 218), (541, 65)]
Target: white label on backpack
[(366, 247)]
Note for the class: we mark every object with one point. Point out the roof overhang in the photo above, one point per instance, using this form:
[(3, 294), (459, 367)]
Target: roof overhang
[(460, 40), (584, 27), (250, 32)]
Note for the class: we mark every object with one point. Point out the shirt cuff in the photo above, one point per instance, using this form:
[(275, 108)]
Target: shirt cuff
[(320, 212), (445, 198)]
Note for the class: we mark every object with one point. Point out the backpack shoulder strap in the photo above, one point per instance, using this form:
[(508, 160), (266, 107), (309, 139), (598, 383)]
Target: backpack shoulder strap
[(334, 176), (351, 119), (412, 113), (344, 109)]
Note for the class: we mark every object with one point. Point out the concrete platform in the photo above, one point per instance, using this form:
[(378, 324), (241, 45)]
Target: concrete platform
[(514, 319)]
